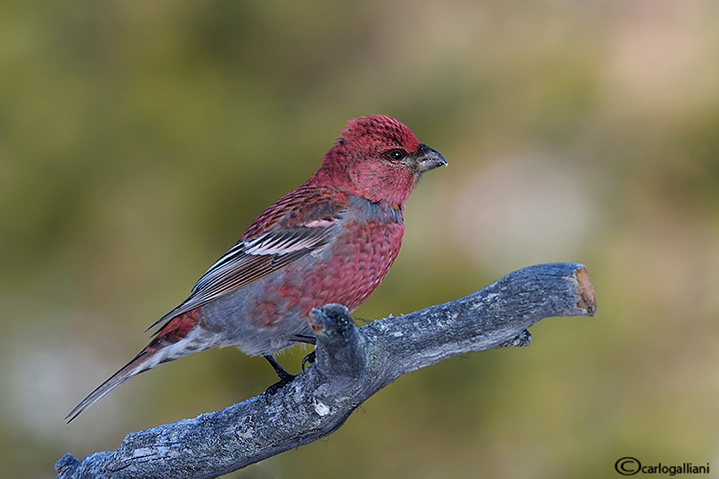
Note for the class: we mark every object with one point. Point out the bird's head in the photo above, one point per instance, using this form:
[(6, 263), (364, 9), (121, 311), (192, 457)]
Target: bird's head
[(378, 158)]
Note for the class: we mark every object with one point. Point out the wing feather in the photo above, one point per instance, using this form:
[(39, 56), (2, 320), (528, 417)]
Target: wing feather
[(252, 258)]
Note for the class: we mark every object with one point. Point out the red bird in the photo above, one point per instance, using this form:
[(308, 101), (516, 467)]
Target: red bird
[(331, 240)]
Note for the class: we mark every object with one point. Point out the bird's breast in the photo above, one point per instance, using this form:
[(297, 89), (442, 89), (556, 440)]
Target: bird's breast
[(346, 271), (360, 256)]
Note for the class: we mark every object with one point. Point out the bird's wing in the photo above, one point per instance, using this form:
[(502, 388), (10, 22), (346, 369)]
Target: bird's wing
[(287, 233)]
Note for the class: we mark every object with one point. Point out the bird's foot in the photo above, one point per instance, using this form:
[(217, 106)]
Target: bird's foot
[(285, 377), (279, 384), (309, 359)]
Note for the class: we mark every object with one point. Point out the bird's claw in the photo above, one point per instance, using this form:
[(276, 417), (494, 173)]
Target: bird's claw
[(285, 379), (309, 359)]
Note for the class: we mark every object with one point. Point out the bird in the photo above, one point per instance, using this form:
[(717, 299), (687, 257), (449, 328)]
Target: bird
[(333, 239)]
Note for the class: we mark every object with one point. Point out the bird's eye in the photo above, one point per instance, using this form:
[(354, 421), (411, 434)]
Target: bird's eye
[(396, 155)]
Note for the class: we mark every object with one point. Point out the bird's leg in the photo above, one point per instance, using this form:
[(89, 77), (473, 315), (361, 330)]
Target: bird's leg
[(310, 358), (284, 376)]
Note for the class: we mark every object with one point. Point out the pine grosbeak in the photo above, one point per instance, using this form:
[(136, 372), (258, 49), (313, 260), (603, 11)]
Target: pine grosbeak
[(331, 240)]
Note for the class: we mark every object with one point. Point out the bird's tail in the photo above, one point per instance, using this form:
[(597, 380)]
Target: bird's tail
[(141, 362), (179, 337)]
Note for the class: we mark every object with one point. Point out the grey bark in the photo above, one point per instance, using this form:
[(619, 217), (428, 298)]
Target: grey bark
[(351, 365)]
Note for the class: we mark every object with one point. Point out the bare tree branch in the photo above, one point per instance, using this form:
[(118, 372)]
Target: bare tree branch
[(351, 365)]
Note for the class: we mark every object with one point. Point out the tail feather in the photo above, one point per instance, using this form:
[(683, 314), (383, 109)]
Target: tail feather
[(179, 337), (141, 362)]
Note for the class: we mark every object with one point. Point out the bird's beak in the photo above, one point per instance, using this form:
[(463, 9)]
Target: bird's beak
[(429, 159)]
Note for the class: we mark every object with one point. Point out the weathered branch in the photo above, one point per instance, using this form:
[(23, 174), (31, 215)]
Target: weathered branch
[(351, 365)]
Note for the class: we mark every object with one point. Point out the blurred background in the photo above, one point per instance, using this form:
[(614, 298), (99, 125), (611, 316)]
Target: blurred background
[(139, 139)]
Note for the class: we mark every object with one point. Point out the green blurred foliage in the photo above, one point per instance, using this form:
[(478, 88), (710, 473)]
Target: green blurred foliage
[(139, 139)]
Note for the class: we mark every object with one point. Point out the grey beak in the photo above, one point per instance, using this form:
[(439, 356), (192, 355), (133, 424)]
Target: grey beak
[(429, 159)]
